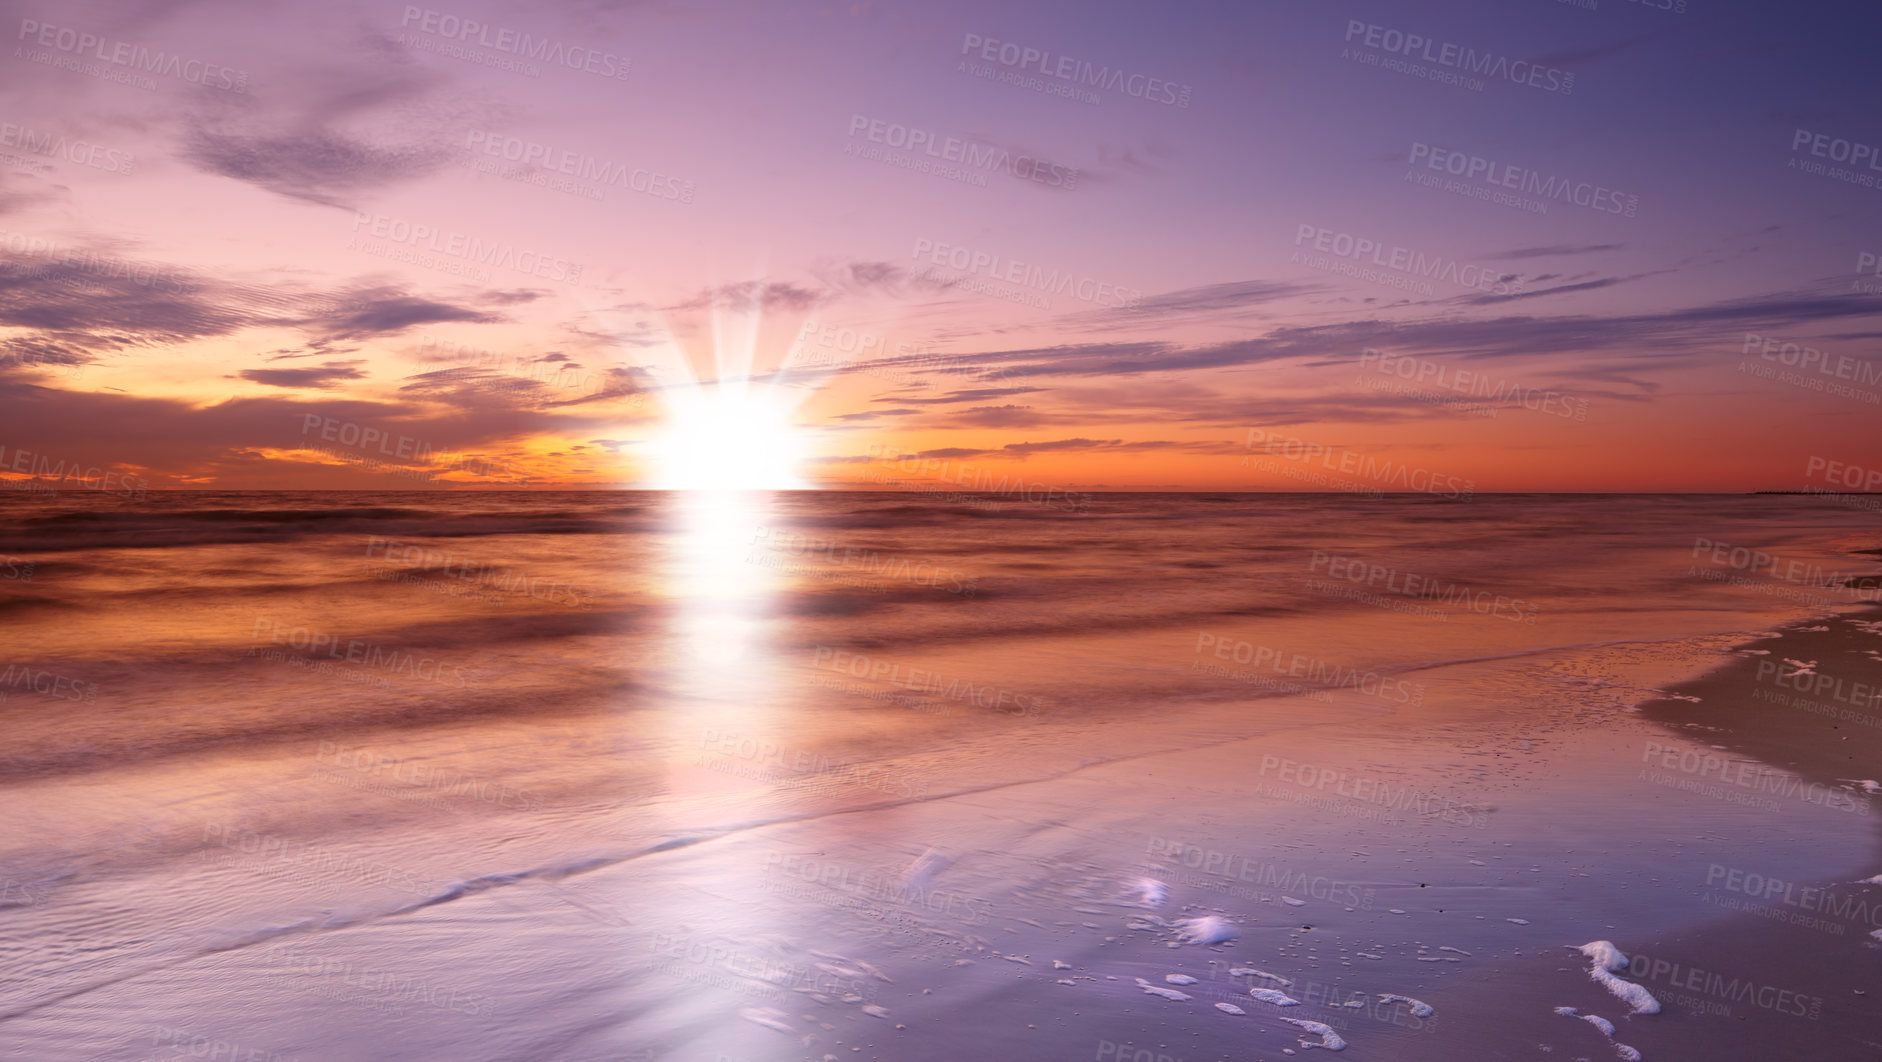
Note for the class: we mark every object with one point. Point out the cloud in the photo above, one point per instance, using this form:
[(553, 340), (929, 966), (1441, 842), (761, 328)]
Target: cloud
[(81, 290), (232, 440), (366, 116), (325, 376), (1556, 250), (1214, 298), (874, 414), (1021, 451), (999, 417), (80, 301), (978, 394), (320, 167), (1660, 338), (880, 278), (753, 296), (384, 311), (1560, 289)]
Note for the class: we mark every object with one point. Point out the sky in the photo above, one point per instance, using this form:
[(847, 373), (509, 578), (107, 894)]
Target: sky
[(1457, 248)]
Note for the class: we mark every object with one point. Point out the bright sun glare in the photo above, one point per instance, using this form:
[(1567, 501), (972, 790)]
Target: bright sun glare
[(728, 438)]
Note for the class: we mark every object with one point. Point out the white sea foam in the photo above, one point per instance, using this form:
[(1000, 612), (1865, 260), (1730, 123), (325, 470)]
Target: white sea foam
[(1178, 979), (1274, 996), (1146, 892), (769, 1017), (1209, 929), (1229, 1008), (1328, 1038), (1419, 1008), (1596, 1020), (1166, 993), (1250, 971), (1626, 1053), (1608, 958)]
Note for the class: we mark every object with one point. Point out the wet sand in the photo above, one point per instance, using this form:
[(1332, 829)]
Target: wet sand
[(1790, 963)]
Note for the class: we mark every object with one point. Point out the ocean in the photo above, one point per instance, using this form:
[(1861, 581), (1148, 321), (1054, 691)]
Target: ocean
[(816, 775)]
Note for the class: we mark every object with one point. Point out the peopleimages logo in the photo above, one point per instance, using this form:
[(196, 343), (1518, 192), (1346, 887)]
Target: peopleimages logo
[(367, 655), (1345, 246), (970, 154), (1325, 673), (1264, 872), (1521, 178), (1026, 274), (53, 145), (1350, 463), (1837, 149), (1484, 64), (578, 165), (1439, 376), (468, 248), (1359, 571), (497, 38), (132, 57), (1077, 71)]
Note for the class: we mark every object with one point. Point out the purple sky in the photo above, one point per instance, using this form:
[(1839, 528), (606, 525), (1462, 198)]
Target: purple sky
[(1519, 245)]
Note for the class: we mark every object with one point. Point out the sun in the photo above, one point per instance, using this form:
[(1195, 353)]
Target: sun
[(728, 438)]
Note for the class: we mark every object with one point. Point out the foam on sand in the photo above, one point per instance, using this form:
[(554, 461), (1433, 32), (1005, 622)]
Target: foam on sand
[(1596, 1020), (1209, 929), (769, 1017), (1274, 996), (1178, 979), (1166, 993), (1607, 959), (1626, 1053), (1230, 1008), (1250, 971), (1328, 1038), (1145, 892), (1419, 1009)]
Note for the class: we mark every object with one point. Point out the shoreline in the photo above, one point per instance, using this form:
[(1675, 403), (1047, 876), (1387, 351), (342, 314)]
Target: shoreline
[(1772, 958)]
